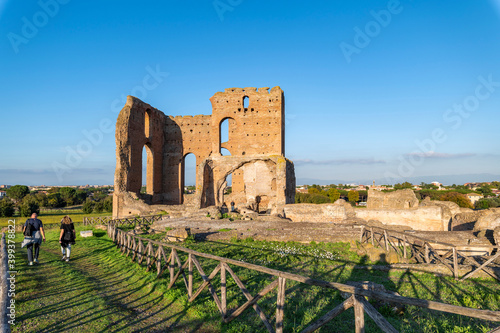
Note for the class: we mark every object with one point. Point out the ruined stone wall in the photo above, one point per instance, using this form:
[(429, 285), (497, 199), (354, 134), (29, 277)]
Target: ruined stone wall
[(401, 199), (269, 182), (258, 129), (254, 130), (422, 218), (315, 212)]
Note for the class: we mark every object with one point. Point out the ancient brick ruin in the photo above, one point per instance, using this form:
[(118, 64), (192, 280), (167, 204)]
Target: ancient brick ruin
[(262, 178)]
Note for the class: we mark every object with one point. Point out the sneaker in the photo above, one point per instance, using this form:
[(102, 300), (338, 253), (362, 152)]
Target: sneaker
[(30, 263), (67, 259), (63, 258), (36, 261)]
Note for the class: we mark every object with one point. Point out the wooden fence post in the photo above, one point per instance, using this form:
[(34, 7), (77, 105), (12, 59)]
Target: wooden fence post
[(359, 315), (223, 290), (386, 241), (171, 265), (373, 241), (455, 263), (280, 304), (427, 260), (190, 275), (404, 247)]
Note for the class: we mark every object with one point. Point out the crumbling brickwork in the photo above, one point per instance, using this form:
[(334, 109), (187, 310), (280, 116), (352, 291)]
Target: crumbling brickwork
[(255, 139)]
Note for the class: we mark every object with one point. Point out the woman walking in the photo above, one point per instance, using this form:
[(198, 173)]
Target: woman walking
[(67, 237)]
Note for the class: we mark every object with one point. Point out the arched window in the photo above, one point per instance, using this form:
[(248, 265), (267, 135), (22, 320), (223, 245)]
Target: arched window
[(226, 130), (147, 128), (147, 170), (246, 101), (189, 173)]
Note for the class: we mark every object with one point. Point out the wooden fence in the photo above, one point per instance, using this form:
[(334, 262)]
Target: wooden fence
[(453, 256), (127, 221), (155, 254)]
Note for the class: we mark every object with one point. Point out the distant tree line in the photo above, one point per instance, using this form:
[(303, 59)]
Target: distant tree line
[(318, 194), (25, 202), (455, 193)]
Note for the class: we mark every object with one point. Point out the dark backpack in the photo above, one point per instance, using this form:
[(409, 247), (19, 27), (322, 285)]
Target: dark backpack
[(29, 229)]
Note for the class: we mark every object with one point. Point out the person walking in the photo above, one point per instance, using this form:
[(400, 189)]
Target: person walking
[(67, 237), (37, 235)]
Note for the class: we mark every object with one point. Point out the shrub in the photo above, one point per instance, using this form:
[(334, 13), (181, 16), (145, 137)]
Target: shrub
[(88, 207), (458, 198), (28, 206), (6, 208)]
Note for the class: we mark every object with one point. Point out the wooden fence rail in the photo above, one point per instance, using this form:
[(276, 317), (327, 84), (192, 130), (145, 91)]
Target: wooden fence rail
[(127, 221), (155, 254), (453, 257)]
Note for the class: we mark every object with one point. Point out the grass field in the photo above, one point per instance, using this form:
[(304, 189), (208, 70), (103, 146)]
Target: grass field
[(100, 290), (51, 217)]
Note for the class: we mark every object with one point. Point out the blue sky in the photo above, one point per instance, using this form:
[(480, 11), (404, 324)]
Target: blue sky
[(375, 90)]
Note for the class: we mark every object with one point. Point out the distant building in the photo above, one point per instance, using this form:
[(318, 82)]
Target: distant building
[(5, 186), (438, 184), (474, 197), (2, 194)]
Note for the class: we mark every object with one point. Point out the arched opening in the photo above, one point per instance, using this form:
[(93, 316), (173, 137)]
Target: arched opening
[(147, 170), (229, 179), (189, 176), (246, 101), (226, 131), (147, 128)]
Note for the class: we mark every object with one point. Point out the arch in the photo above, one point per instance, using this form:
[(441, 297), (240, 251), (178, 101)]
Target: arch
[(188, 178), (246, 102), (147, 160), (147, 128), (226, 130)]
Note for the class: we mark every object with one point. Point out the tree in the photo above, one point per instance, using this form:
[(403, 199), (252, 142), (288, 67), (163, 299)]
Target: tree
[(42, 199), (426, 186), (6, 208), (68, 195), (55, 201), (313, 190), (80, 196), (353, 196), (88, 206), (28, 206), (108, 204), (403, 186), (485, 190), (333, 194), (458, 198), (18, 192)]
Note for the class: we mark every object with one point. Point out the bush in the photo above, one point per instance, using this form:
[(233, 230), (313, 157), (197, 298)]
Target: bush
[(460, 199), (486, 203), (28, 206), (98, 207), (88, 207), (6, 208), (311, 198), (108, 204)]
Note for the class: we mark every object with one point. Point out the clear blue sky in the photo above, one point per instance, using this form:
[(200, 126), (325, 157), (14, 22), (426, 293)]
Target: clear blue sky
[(373, 89)]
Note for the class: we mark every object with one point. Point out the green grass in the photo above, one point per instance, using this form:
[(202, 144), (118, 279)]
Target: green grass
[(100, 290), (52, 217)]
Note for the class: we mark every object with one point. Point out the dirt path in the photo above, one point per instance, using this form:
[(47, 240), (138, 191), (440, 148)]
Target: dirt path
[(93, 293)]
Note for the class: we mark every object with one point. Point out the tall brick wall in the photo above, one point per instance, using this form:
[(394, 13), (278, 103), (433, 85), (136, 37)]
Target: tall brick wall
[(257, 129)]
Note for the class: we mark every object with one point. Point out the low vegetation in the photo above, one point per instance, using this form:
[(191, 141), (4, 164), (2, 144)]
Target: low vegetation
[(20, 201)]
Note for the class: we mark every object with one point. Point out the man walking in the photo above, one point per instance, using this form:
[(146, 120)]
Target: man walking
[(38, 234)]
